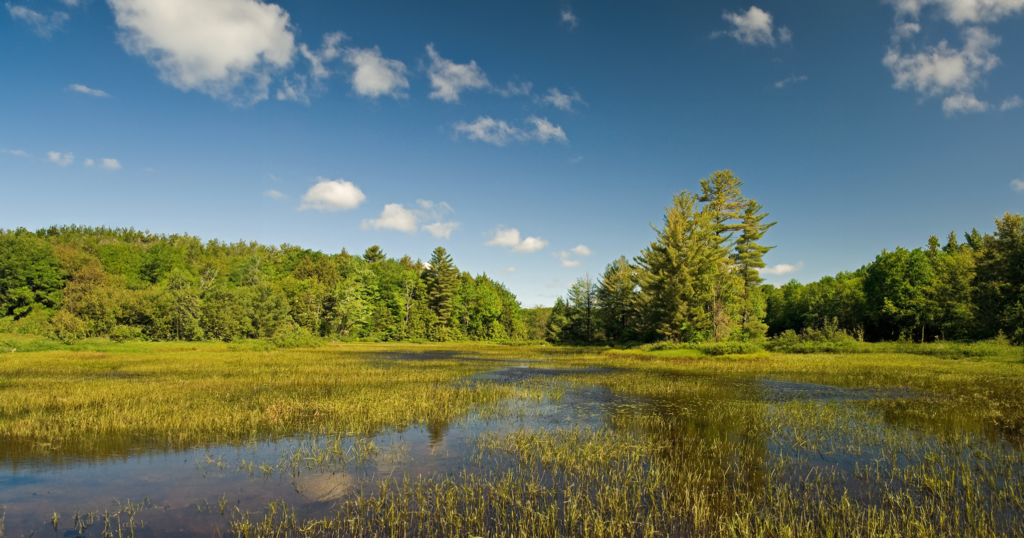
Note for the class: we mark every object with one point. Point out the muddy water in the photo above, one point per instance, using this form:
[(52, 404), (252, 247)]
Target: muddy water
[(168, 491)]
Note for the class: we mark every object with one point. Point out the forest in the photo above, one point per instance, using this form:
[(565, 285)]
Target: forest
[(71, 282), (698, 281)]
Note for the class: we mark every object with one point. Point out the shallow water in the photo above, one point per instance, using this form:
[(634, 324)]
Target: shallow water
[(193, 491)]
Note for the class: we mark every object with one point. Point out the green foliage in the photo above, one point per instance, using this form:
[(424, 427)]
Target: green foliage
[(30, 275), (72, 282)]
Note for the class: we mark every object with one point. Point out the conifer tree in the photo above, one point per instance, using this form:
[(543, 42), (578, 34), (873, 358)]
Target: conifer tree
[(441, 279), (374, 254), (616, 294), (748, 260), (679, 269), (721, 195)]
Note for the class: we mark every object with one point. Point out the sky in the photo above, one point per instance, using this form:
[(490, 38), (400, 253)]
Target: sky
[(535, 141)]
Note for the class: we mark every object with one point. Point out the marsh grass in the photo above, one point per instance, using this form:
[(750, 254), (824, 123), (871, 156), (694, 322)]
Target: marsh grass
[(900, 444)]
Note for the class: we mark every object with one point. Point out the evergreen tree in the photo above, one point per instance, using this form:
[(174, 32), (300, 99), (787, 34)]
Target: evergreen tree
[(441, 279), (557, 320), (747, 261), (374, 254), (582, 302), (679, 271), (617, 297)]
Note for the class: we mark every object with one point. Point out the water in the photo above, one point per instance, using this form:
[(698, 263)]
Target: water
[(171, 491)]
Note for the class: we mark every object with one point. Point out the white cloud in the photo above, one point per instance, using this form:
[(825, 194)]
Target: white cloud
[(754, 27), (375, 75), (71, 3), (506, 271), (43, 25), (509, 237), (1017, 185), (544, 130), (449, 79), (781, 269), (228, 49), (294, 90), (581, 250), (15, 152), (512, 89), (941, 69), (790, 80), (564, 259), (88, 91), (328, 195), (961, 11), (398, 217), (441, 230), (393, 217), (1011, 103), (560, 100), (111, 164), (89, 162), (275, 195), (62, 159), (328, 51), (569, 18), (963, 102), (500, 133), (490, 130)]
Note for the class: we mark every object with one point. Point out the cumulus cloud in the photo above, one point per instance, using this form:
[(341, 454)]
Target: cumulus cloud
[(332, 195), (110, 164), (940, 69), (393, 217), (964, 103), (961, 11), (88, 162), (1011, 103), (581, 250), (62, 159), (15, 152), (41, 24), (228, 49), (398, 217), (544, 130), (376, 75), (500, 133), (569, 18), (329, 50), (449, 79), (560, 100), (781, 269), (783, 83), (88, 91), (441, 230), (274, 195), (1017, 185), (755, 27), (510, 238), (512, 89)]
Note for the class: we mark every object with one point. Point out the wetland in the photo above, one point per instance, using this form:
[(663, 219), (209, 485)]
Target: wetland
[(210, 439)]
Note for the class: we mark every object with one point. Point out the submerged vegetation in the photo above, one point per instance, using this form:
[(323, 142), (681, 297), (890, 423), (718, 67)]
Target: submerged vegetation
[(555, 441)]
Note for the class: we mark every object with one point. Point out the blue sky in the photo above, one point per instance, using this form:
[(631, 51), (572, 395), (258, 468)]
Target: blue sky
[(534, 140)]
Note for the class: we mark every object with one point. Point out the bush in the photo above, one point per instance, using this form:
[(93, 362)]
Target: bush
[(67, 327), (125, 333), (292, 335)]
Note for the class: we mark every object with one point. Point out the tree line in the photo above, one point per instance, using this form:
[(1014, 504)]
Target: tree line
[(699, 281), (72, 282)]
